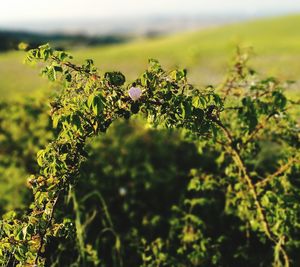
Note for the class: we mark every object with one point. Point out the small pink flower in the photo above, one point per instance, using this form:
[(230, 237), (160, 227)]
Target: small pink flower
[(135, 93)]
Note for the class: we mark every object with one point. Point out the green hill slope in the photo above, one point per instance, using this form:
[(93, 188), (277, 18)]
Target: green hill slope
[(276, 43)]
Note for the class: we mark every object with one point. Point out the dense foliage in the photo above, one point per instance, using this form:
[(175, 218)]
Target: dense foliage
[(218, 188)]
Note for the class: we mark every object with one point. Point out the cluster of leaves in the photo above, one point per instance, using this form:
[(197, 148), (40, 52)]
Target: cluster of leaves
[(252, 201)]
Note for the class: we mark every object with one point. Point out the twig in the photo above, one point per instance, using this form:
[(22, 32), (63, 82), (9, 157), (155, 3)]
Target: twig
[(281, 170), (238, 160), (259, 127)]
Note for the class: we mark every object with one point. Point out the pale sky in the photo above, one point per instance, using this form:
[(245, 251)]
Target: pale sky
[(33, 10)]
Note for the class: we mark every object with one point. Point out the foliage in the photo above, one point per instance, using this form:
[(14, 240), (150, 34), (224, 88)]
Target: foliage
[(224, 214)]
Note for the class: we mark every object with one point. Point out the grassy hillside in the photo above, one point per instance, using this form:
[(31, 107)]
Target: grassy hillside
[(206, 54)]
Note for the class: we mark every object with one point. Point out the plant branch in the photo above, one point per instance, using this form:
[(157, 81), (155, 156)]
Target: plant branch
[(241, 165), (258, 128), (280, 171), (238, 160)]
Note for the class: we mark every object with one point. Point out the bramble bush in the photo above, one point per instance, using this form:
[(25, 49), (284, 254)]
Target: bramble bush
[(232, 199)]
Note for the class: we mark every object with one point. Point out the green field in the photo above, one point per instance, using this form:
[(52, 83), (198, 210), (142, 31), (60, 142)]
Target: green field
[(206, 54)]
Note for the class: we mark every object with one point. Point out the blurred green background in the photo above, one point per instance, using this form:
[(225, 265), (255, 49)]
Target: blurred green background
[(275, 43)]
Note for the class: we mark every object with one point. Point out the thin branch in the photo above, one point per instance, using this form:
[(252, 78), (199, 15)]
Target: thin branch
[(280, 171), (258, 128), (75, 67), (238, 160)]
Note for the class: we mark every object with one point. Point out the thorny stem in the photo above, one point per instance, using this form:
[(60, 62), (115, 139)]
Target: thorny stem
[(258, 128), (281, 170), (238, 160), (75, 67)]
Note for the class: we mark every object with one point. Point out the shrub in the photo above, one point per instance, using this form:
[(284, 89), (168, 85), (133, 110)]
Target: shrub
[(244, 211)]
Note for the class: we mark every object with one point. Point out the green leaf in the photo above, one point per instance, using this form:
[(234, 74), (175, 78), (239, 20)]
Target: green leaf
[(96, 103), (186, 109), (10, 215), (115, 78), (55, 121), (90, 100), (199, 114), (51, 74), (40, 158), (196, 102), (279, 100), (135, 107), (178, 75), (75, 119)]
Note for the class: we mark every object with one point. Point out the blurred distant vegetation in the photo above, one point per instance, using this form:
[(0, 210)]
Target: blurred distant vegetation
[(205, 54), (9, 40)]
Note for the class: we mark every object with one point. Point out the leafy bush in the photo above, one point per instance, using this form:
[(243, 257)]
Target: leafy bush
[(144, 197)]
